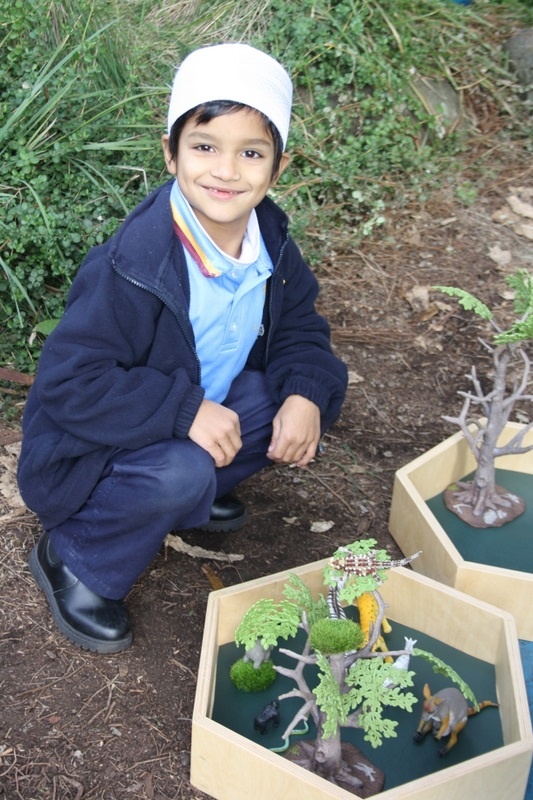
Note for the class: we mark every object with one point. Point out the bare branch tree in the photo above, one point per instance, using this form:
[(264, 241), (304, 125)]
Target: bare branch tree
[(481, 502)]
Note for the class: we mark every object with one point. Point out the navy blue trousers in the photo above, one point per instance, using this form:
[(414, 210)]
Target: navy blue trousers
[(170, 485)]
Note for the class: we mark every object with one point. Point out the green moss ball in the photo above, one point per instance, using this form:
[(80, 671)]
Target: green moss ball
[(330, 636), (248, 679)]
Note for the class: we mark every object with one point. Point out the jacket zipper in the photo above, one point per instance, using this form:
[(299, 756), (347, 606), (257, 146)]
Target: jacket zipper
[(185, 333), (270, 301)]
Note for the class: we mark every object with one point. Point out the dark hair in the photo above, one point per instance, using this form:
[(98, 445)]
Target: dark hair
[(217, 108)]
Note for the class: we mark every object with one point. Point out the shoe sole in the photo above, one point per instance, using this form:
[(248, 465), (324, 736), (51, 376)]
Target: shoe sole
[(75, 636), (225, 526)]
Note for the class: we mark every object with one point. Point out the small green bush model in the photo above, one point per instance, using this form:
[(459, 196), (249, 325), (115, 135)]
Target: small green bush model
[(331, 636), (248, 679)]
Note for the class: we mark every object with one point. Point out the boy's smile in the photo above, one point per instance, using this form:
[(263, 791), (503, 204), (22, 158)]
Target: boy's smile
[(224, 169)]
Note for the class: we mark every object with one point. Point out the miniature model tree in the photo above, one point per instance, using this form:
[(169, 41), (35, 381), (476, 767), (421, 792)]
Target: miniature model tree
[(481, 502), (356, 682)]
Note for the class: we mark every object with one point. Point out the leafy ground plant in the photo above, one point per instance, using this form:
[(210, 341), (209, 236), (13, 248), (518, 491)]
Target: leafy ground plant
[(71, 149), (84, 87)]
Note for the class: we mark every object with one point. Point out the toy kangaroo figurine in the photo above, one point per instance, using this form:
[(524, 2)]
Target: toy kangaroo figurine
[(446, 712)]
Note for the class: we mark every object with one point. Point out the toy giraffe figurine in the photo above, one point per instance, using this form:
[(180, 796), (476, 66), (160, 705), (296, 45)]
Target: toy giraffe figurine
[(368, 608)]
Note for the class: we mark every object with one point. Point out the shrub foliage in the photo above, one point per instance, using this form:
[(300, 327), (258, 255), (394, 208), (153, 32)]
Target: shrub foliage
[(83, 90)]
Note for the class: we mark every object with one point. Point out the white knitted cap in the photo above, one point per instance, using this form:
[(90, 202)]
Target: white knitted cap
[(235, 72)]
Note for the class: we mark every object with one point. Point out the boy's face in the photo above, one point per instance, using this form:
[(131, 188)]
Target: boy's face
[(224, 169)]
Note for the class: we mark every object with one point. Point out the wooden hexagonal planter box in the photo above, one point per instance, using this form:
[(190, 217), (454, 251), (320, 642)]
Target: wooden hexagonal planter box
[(228, 765), (495, 565)]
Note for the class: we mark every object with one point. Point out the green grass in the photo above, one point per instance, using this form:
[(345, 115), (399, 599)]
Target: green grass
[(83, 93)]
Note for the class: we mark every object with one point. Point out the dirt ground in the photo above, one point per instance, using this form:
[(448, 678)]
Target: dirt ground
[(77, 725)]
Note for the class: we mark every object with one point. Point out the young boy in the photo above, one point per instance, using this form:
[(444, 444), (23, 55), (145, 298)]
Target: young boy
[(189, 357)]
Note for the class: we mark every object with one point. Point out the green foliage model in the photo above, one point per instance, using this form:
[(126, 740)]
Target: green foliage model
[(370, 691), (268, 622)]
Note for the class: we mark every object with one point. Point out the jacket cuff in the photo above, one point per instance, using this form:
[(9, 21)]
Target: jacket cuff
[(308, 389), (187, 412)]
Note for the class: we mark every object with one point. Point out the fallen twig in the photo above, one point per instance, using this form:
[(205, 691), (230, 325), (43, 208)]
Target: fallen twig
[(177, 543)]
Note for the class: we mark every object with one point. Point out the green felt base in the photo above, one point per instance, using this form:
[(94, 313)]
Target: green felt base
[(400, 758), (526, 654), (508, 547)]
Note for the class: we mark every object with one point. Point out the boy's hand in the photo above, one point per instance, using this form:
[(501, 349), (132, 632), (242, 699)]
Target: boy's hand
[(295, 432), (217, 429)]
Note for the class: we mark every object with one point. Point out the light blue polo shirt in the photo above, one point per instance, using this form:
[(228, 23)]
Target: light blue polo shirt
[(226, 309)]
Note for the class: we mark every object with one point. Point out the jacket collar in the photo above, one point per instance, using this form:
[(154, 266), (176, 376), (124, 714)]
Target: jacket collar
[(142, 247)]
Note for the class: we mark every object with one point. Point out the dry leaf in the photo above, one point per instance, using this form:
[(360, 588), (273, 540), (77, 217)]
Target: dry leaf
[(429, 313), (507, 294), (214, 581), (524, 229), (8, 477), (428, 344), (322, 526), (414, 238), (418, 298), (519, 207), (505, 216), (354, 377), (500, 257)]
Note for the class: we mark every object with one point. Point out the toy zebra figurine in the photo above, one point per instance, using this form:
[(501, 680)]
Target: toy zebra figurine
[(336, 611), (365, 564)]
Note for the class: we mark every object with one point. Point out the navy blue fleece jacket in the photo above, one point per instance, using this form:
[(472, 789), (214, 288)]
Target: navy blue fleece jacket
[(121, 369)]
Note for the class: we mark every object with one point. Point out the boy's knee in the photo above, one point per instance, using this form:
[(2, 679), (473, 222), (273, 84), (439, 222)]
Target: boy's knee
[(167, 475), (185, 474)]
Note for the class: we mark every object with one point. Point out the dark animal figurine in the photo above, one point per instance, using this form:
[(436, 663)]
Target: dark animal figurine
[(270, 713), (446, 712)]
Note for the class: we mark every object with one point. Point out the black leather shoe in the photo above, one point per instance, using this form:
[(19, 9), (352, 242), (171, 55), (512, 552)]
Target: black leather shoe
[(227, 514), (87, 619)]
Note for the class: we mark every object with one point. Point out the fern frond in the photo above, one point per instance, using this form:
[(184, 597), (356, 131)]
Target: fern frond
[(466, 300), (369, 681), (441, 668), (329, 698), (298, 593), (521, 282)]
